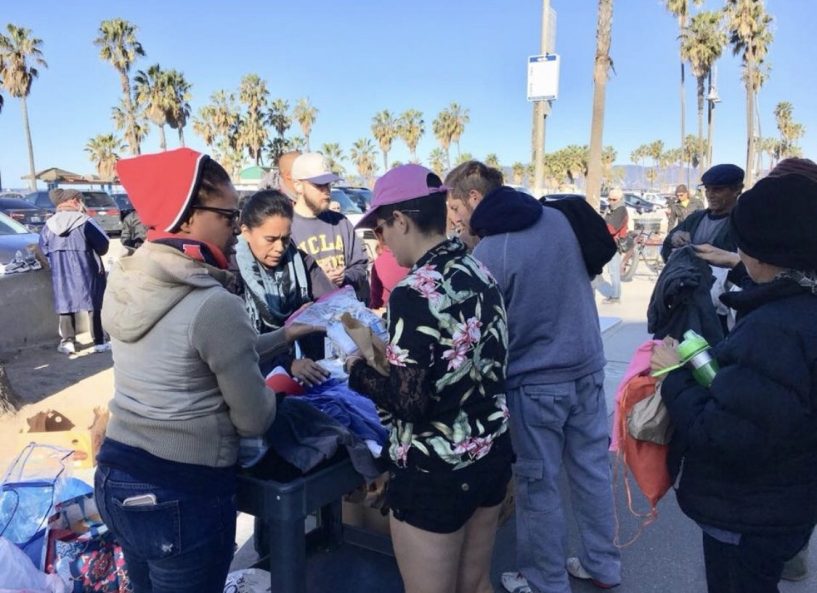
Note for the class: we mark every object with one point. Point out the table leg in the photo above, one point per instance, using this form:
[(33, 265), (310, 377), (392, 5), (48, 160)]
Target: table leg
[(287, 555)]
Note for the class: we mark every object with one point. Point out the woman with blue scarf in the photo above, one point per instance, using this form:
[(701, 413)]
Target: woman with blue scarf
[(275, 276)]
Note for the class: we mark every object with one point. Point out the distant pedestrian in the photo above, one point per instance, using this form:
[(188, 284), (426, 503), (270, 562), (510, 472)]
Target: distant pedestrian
[(285, 183), (74, 244), (134, 232), (681, 206), (617, 219)]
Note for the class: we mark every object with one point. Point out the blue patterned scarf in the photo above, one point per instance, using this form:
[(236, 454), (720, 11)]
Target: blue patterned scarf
[(272, 294)]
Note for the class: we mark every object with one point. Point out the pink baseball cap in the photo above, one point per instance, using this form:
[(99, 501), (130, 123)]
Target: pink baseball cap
[(401, 184)]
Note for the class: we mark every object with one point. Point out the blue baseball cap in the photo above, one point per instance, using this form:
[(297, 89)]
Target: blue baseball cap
[(722, 175)]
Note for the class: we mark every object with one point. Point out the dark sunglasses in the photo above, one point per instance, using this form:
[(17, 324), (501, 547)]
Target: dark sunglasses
[(231, 214), (378, 230)]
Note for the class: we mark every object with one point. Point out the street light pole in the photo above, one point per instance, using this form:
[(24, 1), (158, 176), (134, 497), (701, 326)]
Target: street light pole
[(541, 109)]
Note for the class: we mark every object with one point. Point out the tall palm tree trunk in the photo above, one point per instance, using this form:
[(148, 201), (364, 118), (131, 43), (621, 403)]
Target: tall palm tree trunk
[(682, 28), (701, 92), (308, 149), (600, 69), (181, 136), (385, 161), (414, 155), (750, 134), (130, 132), (162, 138), (32, 183), (710, 124)]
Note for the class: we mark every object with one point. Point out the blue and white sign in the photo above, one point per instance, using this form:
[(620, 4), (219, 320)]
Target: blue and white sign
[(543, 77)]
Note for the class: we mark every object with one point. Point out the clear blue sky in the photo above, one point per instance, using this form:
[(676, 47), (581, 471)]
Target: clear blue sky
[(356, 57)]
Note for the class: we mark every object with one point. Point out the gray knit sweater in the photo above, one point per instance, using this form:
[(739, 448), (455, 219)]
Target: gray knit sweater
[(186, 376)]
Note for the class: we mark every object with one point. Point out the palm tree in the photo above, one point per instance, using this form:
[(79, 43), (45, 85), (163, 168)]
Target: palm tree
[(656, 152), (750, 36), (680, 9), (151, 90), (441, 127), (204, 125), (465, 157), (458, 118), (180, 108), (694, 150), (252, 133), (135, 126), (362, 155), (518, 172), (334, 154), (608, 157), (118, 45), (601, 71), (411, 128), (770, 147), (384, 130), (492, 160), (701, 46), (790, 131), (104, 151), (277, 116), (305, 114), (20, 53), (437, 160)]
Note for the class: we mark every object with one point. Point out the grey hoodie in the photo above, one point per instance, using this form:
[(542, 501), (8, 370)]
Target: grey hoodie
[(65, 221), (186, 376)]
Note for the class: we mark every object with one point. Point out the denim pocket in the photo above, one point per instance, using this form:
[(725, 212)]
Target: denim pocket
[(153, 531)]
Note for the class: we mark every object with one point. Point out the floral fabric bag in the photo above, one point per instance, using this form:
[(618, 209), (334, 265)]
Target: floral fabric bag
[(82, 551)]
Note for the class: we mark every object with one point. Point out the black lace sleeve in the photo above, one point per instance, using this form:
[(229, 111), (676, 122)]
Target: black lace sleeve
[(413, 330), (405, 393)]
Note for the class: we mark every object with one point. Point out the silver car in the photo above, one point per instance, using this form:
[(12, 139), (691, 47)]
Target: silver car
[(14, 237)]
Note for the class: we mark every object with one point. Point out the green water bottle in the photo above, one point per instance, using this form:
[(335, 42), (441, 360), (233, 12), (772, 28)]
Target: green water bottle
[(694, 352)]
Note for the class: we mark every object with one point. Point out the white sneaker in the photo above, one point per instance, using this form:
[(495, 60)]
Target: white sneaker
[(514, 582), (577, 571), (104, 347), (67, 347)]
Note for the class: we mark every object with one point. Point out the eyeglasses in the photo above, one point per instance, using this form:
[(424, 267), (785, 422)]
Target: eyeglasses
[(231, 214), (378, 230)]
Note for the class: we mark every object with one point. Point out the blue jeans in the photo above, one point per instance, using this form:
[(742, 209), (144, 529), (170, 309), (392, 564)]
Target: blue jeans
[(551, 425), (752, 566), (182, 544)]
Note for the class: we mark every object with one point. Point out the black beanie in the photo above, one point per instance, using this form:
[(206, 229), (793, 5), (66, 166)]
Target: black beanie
[(776, 222)]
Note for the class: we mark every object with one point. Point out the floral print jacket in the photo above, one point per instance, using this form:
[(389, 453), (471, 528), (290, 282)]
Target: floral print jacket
[(444, 397)]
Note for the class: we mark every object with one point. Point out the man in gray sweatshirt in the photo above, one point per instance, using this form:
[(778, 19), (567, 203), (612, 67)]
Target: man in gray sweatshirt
[(555, 380)]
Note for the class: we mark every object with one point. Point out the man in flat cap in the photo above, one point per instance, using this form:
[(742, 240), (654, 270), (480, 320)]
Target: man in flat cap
[(722, 185), (681, 206)]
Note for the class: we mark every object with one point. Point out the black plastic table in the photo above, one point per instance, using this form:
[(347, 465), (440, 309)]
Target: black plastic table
[(284, 506)]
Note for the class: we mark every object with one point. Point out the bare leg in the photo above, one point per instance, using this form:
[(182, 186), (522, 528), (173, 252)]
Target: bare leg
[(428, 562), (477, 551)]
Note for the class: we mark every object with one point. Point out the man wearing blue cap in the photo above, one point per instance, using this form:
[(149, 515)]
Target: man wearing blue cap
[(722, 185)]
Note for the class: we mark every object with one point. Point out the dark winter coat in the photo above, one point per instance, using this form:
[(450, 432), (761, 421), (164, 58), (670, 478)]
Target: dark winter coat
[(681, 299), (134, 232), (74, 244), (724, 239), (746, 448)]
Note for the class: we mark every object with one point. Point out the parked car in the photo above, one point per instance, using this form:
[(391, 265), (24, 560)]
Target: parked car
[(41, 199), (14, 237), (637, 203), (24, 212), (12, 194), (101, 206), (354, 213), (362, 196), (123, 203)]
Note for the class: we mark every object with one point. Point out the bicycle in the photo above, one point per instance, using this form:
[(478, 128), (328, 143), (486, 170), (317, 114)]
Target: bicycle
[(643, 244)]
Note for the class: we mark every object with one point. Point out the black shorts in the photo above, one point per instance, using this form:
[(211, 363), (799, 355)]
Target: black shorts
[(444, 501)]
